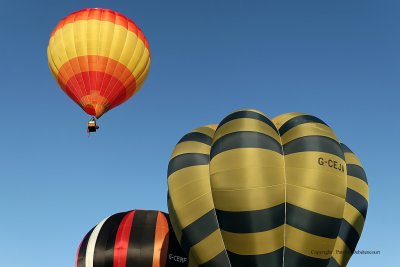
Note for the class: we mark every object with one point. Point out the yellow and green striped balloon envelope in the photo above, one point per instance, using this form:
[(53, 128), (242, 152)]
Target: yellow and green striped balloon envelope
[(99, 58), (258, 192)]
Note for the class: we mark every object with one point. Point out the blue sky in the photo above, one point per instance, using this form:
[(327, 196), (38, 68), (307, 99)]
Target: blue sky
[(337, 60)]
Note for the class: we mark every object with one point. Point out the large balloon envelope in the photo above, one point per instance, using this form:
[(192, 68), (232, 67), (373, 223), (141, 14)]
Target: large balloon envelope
[(137, 238), (99, 57), (258, 192)]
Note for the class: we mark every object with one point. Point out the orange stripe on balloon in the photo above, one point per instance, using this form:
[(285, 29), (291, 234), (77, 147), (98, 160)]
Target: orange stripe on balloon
[(102, 15), (161, 241), (84, 64)]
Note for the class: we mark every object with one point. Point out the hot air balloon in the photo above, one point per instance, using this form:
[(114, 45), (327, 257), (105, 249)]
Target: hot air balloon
[(99, 58), (258, 192), (131, 239)]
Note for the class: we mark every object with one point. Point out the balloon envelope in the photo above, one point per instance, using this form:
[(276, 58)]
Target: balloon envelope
[(131, 239), (99, 58), (258, 192)]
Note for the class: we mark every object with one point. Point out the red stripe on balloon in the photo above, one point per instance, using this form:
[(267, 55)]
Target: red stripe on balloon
[(95, 88), (122, 240)]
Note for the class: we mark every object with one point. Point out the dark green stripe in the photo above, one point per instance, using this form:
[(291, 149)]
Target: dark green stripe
[(356, 171), (312, 222), (314, 143), (247, 114), (273, 259), (349, 235), (81, 260), (357, 201), (345, 148), (221, 260), (245, 140), (141, 240), (293, 122), (296, 259), (197, 137), (104, 247), (251, 221), (187, 160), (199, 229), (333, 263)]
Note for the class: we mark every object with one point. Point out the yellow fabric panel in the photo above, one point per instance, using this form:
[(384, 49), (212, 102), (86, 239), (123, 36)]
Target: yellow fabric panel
[(179, 179), (354, 217), (209, 247), (254, 243), (341, 253), (192, 211), (184, 190), (244, 178), (303, 169), (249, 199), (254, 159), (352, 159), (207, 130), (102, 38), (192, 197), (281, 119), (307, 129), (315, 201), (190, 147), (246, 124), (307, 244), (358, 185), (140, 80)]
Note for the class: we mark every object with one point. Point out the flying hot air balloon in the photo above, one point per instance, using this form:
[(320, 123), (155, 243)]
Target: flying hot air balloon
[(137, 238), (99, 58), (258, 192)]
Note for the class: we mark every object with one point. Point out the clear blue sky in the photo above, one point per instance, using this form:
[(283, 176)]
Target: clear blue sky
[(338, 60)]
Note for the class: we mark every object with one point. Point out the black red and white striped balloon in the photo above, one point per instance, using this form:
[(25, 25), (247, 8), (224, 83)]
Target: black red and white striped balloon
[(137, 238)]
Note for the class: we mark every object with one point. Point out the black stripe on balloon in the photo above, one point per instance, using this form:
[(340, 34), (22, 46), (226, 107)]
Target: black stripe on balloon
[(273, 259), (293, 122), (333, 263), (82, 250), (187, 160), (199, 230), (248, 114), (357, 201), (174, 249), (104, 247), (245, 139), (296, 259), (345, 148), (356, 171), (349, 235), (196, 137), (221, 260), (141, 240), (251, 221), (312, 222), (313, 143)]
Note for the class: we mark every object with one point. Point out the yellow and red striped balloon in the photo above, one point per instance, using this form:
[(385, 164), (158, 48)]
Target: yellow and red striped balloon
[(99, 57)]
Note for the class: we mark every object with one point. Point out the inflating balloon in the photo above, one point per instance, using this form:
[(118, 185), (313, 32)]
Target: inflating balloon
[(131, 239), (258, 192), (99, 58)]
